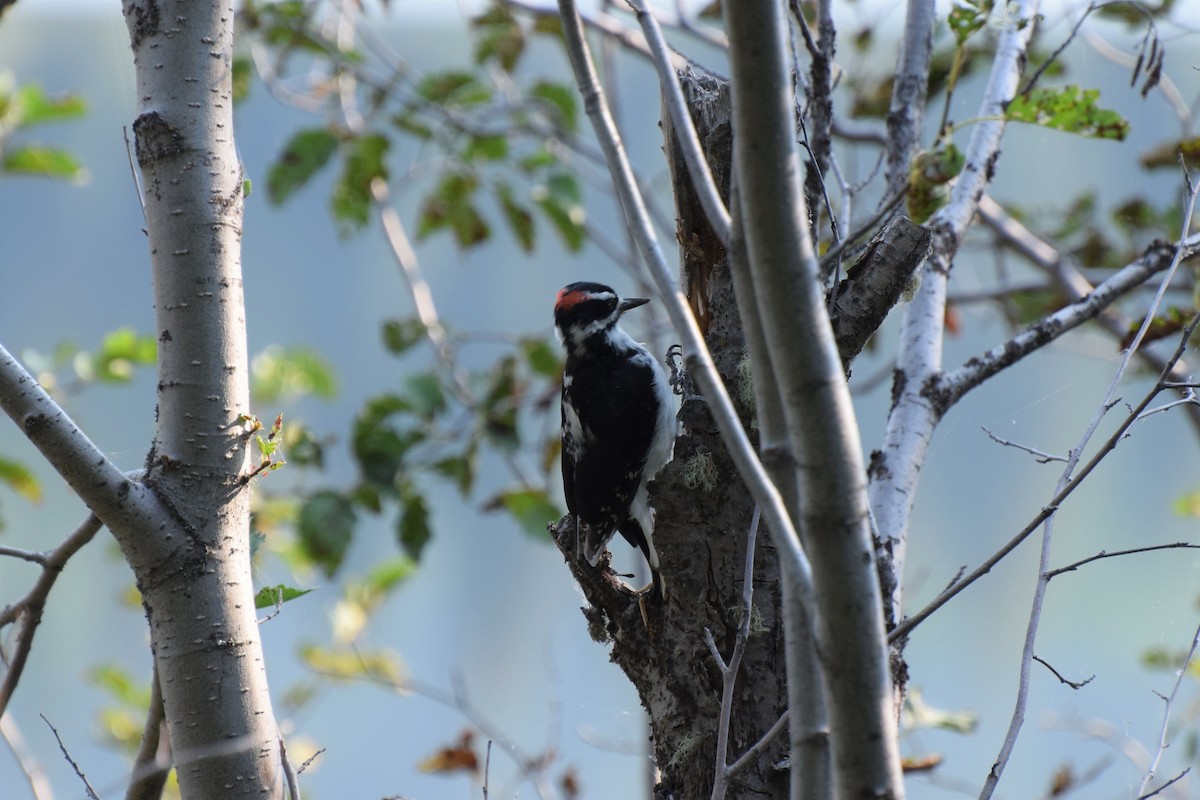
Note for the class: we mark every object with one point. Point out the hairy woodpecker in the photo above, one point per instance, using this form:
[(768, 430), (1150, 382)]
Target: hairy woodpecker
[(618, 421)]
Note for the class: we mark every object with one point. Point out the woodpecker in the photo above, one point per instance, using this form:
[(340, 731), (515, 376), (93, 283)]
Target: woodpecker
[(618, 422)]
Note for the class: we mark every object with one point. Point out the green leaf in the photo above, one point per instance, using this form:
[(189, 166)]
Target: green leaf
[(425, 395), (542, 357), (460, 468), (560, 98), (559, 199), (271, 596), (325, 528), (499, 37), (449, 206), (120, 685), (303, 156), (243, 71), (32, 106), (400, 335), (1188, 505), (412, 527), (967, 17), (288, 372), (486, 148), (364, 163), (499, 405), (532, 508), (120, 352), (378, 445), (453, 88), (20, 480), (354, 663), (518, 217), (1069, 109), (46, 162)]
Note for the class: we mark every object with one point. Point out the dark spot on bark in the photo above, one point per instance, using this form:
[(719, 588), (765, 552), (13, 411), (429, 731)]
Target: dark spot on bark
[(155, 139), (145, 20), (34, 423), (990, 169), (877, 469), (165, 336), (123, 490), (899, 381)]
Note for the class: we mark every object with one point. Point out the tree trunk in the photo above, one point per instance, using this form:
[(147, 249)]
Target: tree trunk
[(194, 572)]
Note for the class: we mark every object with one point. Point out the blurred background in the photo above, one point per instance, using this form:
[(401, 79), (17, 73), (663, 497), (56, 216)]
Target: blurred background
[(491, 613)]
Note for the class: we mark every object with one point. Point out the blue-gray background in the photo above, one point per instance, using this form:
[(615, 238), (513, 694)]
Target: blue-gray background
[(497, 608)]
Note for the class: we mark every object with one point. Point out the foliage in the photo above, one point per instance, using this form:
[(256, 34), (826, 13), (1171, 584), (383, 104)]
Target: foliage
[(28, 106), (1069, 109)]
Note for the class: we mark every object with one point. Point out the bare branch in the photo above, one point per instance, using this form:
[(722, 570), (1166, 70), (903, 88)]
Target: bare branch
[(909, 92), (1116, 553), (122, 503), (1178, 777), (1043, 457), (729, 671), (26, 614), (152, 764), (1057, 674), (1169, 700), (1157, 258), (906, 626), (90, 791)]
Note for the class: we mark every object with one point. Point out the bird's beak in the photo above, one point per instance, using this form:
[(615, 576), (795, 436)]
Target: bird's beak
[(631, 302)]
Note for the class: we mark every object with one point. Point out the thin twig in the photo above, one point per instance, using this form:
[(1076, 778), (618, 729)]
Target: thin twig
[(289, 772), (1166, 719), (1059, 675), (487, 769), (729, 672), (1178, 777), (756, 749), (90, 791), (1105, 554), (26, 614), (1107, 402), (1043, 458)]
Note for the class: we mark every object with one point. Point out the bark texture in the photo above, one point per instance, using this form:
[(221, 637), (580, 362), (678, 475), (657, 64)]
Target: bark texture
[(197, 589)]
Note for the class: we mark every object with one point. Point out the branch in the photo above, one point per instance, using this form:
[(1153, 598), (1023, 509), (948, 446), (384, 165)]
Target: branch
[(90, 791), (152, 764), (729, 670), (1057, 674), (123, 504), (26, 614), (896, 469), (1105, 554), (909, 92), (685, 129), (822, 452), (875, 284), (1158, 257), (1162, 734), (906, 626)]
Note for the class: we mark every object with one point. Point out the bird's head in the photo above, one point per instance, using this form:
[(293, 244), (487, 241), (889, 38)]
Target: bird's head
[(583, 310)]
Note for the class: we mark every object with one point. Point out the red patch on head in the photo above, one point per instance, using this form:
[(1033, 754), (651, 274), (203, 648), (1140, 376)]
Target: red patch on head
[(566, 299)]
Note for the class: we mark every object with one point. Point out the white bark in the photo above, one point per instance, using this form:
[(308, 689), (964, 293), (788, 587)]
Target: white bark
[(918, 408), (831, 484), (200, 599)]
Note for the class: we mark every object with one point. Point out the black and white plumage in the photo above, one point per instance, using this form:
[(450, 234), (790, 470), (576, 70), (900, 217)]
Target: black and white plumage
[(618, 421)]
